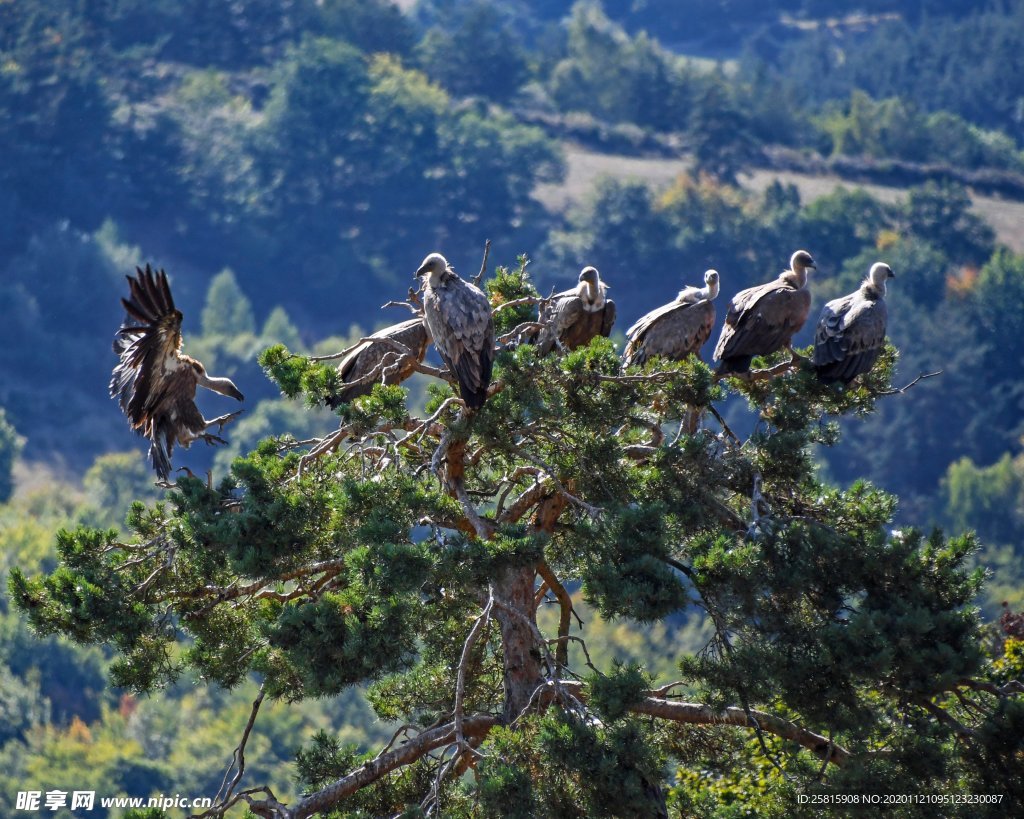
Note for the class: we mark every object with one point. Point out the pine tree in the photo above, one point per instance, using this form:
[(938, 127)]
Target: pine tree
[(412, 553)]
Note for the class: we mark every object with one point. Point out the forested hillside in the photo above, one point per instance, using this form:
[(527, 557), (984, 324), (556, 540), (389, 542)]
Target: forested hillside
[(290, 164)]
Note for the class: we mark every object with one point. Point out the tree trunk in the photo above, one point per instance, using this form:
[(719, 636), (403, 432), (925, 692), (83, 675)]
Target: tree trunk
[(520, 653)]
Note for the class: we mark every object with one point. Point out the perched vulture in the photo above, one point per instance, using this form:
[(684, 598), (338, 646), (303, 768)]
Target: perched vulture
[(763, 319), (154, 382), (851, 330), (370, 356), (458, 317), (676, 329), (576, 316)]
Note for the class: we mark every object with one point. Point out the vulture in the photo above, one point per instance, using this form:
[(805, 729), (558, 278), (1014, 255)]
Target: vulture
[(676, 329), (370, 356), (576, 316), (851, 330), (458, 318), (154, 382), (763, 319)]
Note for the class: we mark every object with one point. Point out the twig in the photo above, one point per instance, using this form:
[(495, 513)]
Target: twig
[(406, 304), (237, 759), (460, 679), (525, 300), (725, 427), (902, 390), (519, 329), (593, 511), (483, 264)]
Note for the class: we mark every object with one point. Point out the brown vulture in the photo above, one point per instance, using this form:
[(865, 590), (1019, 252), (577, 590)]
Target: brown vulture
[(154, 382), (370, 357), (676, 329), (851, 330), (458, 317), (574, 317), (763, 319)]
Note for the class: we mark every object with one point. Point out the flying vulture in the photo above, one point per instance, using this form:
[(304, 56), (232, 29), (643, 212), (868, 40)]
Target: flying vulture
[(576, 316), (458, 317), (764, 319), (851, 330), (372, 356), (154, 382), (676, 329)]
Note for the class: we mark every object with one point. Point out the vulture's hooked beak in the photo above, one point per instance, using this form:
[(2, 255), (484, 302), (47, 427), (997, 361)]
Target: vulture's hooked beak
[(891, 274), (225, 386)]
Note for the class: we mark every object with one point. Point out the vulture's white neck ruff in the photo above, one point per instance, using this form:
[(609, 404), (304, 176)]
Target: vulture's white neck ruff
[(876, 282), (592, 295), (692, 295)]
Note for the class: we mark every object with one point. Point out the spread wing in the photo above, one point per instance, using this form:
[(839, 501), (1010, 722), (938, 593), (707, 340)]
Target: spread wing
[(373, 358), (761, 320), (153, 382), (149, 346), (674, 330), (849, 337), (459, 320)]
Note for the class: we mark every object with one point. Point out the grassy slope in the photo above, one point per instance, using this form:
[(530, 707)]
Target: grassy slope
[(584, 166)]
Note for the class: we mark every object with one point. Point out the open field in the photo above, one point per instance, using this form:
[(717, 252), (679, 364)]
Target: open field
[(584, 166)]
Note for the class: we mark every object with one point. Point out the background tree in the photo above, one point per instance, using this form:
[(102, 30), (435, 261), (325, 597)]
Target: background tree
[(10, 445), (416, 553)]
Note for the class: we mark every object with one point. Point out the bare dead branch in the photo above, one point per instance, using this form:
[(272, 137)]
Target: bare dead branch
[(483, 263), (725, 427), (473, 726), (519, 329), (902, 390), (525, 502), (238, 758), (525, 300), (593, 511), (460, 679), (405, 304)]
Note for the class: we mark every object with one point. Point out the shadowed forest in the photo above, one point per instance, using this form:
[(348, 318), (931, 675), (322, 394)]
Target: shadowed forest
[(290, 163)]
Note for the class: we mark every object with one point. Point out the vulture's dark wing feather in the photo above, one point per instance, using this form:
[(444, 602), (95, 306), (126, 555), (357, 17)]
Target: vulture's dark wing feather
[(674, 330), (761, 320), (153, 382), (370, 356), (608, 318), (458, 317), (849, 337)]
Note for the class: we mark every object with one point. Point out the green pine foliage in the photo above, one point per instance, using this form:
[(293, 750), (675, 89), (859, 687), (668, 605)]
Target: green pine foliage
[(405, 553)]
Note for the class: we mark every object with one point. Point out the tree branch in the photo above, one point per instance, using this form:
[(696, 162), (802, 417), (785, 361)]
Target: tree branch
[(460, 678), (237, 759), (483, 263), (473, 726), (901, 390), (767, 373), (699, 714), (564, 616)]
